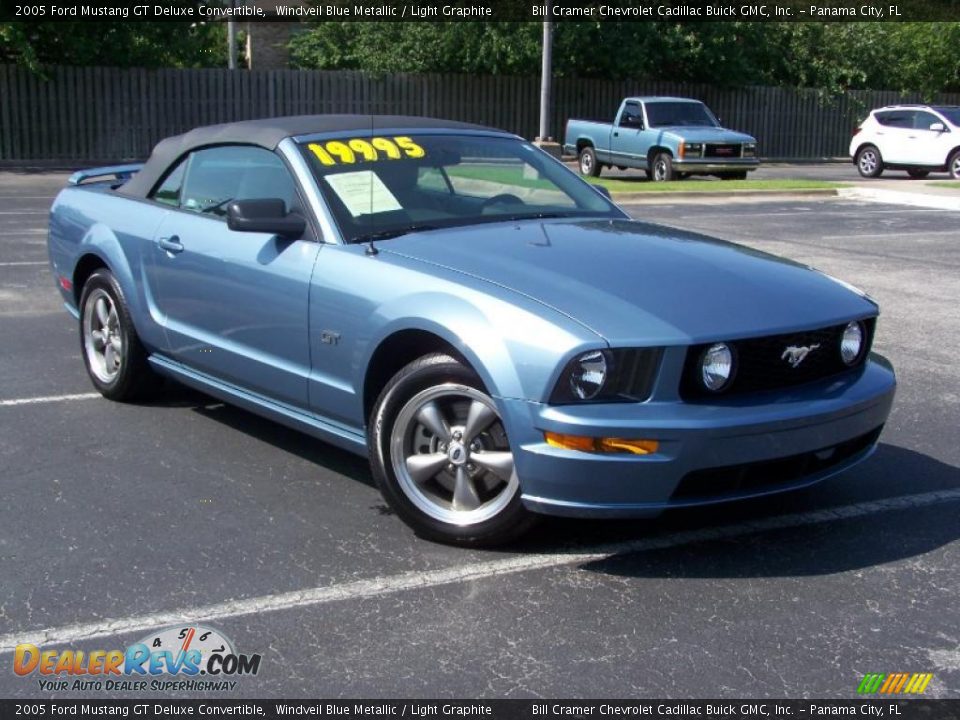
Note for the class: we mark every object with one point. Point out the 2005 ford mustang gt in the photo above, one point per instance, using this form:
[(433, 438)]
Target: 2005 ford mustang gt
[(497, 335)]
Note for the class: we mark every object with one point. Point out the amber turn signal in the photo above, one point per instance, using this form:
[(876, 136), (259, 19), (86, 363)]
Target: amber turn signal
[(601, 445)]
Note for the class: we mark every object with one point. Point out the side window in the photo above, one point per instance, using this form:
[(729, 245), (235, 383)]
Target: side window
[(168, 191), (896, 119), (923, 120), (631, 117), (431, 178), (217, 176)]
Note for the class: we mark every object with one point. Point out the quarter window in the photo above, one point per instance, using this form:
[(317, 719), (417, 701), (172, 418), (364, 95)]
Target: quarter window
[(168, 191)]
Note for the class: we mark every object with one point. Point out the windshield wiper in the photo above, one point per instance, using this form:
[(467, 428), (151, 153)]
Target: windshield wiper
[(392, 233)]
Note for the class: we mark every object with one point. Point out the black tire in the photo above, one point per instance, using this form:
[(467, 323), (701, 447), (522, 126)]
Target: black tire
[(953, 165), (397, 431), (918, 174), (588, 162), (740, 175), (869, 161), (662, 168), (129, 376)]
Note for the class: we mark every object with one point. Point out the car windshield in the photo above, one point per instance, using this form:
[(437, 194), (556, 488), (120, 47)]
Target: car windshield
[(383, 186), (950, 113), (664, 114)]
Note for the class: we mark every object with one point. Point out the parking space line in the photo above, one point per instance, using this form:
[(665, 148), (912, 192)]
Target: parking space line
[(48, 399), (419, 580), (25, 231), (23, 262), (901, 235), (24, 212)]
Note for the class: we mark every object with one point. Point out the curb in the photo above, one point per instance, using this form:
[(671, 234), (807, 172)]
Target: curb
[(900, 197), (655, 195)]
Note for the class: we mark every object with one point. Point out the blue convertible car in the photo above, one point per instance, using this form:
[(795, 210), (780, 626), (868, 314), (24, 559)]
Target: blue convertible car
[(495, 333)]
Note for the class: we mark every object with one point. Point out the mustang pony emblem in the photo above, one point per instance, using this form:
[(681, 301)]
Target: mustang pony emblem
[(795, 354)]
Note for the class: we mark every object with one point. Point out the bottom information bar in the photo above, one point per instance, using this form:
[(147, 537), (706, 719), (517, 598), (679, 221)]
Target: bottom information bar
[(888, 708)]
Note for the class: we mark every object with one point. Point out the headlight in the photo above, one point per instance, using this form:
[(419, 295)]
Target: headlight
[(749, 149), (692, 149), (716, 367), (617, 375), (851, 345), (588, 375)]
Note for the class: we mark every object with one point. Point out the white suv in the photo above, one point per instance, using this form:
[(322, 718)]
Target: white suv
[(917, 138)]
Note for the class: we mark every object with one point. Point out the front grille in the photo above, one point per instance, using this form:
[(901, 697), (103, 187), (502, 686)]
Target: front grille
[(759, 363), (723, 150), (769, 474)]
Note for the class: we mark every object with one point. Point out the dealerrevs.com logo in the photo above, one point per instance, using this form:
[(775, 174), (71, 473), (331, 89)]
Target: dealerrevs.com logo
[(191, 657), (894, 683)]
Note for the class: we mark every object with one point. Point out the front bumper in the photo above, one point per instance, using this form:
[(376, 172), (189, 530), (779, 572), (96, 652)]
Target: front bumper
[(744, 447), (713, 165)]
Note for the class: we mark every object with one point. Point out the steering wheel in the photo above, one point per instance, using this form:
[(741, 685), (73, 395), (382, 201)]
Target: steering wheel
[(501, 199)]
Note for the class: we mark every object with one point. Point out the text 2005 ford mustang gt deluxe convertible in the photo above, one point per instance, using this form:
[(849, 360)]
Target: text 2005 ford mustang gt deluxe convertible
[(497, 335)]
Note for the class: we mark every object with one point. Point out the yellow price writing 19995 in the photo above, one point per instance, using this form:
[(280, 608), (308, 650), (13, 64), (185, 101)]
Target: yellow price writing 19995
[(347, 152)]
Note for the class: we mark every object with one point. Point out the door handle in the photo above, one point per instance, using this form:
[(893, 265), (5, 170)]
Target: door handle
[(616, 134), (171, 244)]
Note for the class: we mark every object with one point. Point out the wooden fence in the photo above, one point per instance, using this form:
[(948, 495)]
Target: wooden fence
[(89, 114)]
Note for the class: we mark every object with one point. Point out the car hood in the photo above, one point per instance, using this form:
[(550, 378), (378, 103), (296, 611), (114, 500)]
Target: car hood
[(640, 283), (706, 135)]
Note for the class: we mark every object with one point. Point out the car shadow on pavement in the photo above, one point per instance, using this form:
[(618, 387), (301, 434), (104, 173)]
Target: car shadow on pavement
[(814, 547), (265, 430)]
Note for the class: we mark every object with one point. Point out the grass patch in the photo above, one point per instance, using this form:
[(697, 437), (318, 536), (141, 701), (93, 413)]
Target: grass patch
[(953, 184), (619, 185)]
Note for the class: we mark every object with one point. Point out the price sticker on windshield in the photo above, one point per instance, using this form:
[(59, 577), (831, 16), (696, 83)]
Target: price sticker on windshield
[(359, 150)]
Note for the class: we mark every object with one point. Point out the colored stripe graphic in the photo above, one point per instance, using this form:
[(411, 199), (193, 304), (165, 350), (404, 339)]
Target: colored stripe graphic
[(894, 683)]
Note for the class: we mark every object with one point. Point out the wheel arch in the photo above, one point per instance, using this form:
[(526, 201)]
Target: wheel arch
[(656, 150), (583, 142), (395, 352), (88, 264)]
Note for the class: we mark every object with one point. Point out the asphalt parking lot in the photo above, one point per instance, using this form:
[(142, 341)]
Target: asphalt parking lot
[(119, 519)]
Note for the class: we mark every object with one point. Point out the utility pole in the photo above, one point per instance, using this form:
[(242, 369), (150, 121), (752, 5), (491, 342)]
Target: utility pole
[(546, 74), (232, 38)]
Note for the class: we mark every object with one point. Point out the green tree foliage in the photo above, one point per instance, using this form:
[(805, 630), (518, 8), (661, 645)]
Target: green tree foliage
[(910, 57), (115, 44)]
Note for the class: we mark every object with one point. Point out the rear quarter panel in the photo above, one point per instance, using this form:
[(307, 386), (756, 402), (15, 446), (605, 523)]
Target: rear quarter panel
[(94, 221)]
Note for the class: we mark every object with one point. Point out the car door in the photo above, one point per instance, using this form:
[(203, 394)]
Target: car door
[(893, 136), (931, 146), (626, 146), (235, 303)]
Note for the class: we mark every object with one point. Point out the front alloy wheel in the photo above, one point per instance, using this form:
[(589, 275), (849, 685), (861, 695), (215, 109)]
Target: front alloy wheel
[(442, 457), (953, 165), (663, 168)]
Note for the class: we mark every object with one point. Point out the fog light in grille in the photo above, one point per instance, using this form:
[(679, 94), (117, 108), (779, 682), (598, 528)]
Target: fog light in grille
[(716, 367), (851, 345), (602, 444)]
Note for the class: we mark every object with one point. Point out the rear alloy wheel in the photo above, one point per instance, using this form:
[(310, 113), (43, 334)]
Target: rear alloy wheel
[(588, 162), (663, 168), (441, 456), (869, 162), (953, 165), (116, 361), (918, 174)]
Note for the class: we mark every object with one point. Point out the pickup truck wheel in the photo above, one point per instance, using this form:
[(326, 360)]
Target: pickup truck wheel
[(953, 165), (588, 162), (918, 174), (115, 359), (663, 168), (869, 162), (441, 456)]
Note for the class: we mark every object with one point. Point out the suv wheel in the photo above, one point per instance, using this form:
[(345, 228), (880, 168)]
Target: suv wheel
[(869, 161), (953, 165)]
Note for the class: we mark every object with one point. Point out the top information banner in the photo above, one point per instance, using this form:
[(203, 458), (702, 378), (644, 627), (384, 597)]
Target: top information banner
[(483, 10)]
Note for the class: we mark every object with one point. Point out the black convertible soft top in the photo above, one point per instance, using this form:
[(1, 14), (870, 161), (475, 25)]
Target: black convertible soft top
[(268, 133)]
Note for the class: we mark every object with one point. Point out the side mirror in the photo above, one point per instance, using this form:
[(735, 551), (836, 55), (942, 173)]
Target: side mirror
[(937, 127), (268, 215), (603, 191)]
